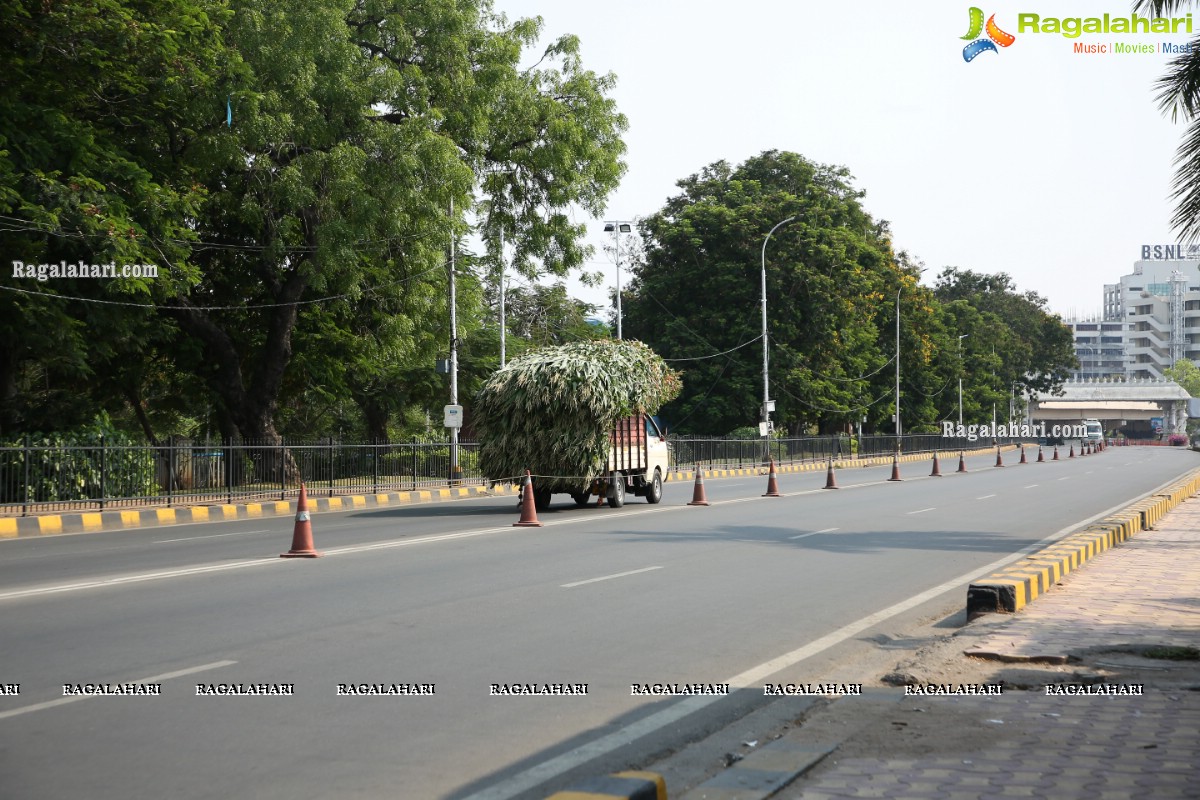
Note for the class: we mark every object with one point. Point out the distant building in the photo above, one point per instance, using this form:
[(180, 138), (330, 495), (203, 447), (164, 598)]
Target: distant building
[(1100, 347), (1151, 319), (1159, 302)]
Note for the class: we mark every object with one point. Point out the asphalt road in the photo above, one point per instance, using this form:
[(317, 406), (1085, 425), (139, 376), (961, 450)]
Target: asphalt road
[(747, 590)]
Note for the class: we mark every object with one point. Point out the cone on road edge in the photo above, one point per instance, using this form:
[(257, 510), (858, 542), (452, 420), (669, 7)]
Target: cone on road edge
[(830, 480), (1041, 456), (772, 482), (962, 461), (999, 458), (937, 470), (528, 509), (1055, 453), (1022, 461), (699, 498), (1072, 453), (895, 468), (302, 541)]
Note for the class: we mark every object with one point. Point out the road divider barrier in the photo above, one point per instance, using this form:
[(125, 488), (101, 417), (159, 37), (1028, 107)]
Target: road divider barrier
[(136, 518), (1012, 588)]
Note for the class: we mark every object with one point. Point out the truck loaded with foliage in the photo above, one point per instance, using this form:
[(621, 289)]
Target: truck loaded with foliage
[(577, 417)]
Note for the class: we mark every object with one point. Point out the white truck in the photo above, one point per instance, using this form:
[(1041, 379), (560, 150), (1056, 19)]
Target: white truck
[(638, 458)]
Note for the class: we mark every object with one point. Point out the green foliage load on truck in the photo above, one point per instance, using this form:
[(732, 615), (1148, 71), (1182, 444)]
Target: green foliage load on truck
[(551, 411)]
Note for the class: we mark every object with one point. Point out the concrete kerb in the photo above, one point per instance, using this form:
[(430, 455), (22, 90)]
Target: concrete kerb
[(632, 785), (1024, 581), (129, 519)]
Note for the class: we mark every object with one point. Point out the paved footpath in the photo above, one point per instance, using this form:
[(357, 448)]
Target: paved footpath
[(1145, 593)]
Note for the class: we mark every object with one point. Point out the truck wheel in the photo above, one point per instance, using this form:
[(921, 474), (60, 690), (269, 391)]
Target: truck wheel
[(581, 498), (654, 490), (541, 499), (617, 498)]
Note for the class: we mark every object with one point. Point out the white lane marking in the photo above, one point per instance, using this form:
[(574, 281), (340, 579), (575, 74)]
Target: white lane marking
[(923, 510), (609, 577), (814, 533), (1031, 486), (166, 676), (213, 536), (535, 776), (985, 497), (149, 576), (1089, 472), (1066, 478)]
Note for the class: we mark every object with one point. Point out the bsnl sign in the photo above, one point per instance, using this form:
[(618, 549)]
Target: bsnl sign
[(1170, 252)]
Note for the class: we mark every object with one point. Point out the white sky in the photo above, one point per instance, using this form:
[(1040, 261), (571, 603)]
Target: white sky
[(1052, 166)]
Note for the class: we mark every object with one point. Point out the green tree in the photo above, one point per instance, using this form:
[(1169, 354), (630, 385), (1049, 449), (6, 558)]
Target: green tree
[(1179, 94), (1186, 374), (831, 283), (1014, 344), (304, 242), (94, 96)]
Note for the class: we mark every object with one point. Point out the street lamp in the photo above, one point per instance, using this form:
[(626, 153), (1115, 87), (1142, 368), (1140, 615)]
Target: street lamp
[(455, 470), (766, 406), (899, 430), (960, 338), (616, 228)]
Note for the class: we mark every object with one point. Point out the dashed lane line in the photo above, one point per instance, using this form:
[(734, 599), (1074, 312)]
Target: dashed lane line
[(609, 577)]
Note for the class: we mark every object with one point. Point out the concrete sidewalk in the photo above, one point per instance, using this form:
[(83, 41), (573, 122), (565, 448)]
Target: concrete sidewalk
[(1124, 621)]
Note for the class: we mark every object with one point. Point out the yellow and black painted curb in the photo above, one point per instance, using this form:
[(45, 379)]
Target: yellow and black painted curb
[(1021, 583), (618, 786), (852, 462), (92, 522), (126, 519)]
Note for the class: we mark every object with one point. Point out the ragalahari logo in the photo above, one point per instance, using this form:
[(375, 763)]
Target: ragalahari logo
[(995, 36)]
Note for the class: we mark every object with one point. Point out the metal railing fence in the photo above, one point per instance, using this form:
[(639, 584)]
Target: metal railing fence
[(100, 476), (48, 478), (688, 451)]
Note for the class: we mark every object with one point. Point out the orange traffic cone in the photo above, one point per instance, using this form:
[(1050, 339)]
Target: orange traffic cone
[(895, 468), (1055, 453), (772, 482), (302, 541), (698, 496), (962, 461), (1022, 461), (830, 480), (937, 470), (999, 458), (528, 509), (1041, 456), (1072, 453)]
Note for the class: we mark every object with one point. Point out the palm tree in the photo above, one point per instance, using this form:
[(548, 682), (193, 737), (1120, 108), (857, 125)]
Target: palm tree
[(1179, 94)]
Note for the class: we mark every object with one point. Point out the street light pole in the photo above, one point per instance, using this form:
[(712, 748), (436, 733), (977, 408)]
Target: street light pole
[(616, 228), (960, 417), (454, 469), (502, 322), (898, 430), (766, 405)]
